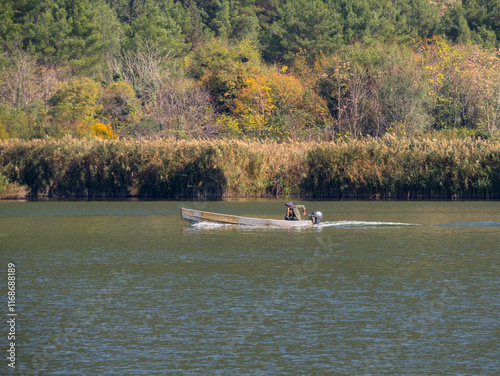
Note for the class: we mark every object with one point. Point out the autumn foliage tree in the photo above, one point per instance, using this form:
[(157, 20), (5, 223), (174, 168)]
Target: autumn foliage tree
[(464, 85)]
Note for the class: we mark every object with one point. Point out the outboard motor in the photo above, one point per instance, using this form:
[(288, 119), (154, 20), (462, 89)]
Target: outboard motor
[(316, 217)]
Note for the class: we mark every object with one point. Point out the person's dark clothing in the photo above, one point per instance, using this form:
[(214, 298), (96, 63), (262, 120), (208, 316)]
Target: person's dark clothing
[(294, 214)]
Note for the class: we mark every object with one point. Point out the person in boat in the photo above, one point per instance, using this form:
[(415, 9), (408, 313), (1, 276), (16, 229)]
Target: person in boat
[(293, 212)]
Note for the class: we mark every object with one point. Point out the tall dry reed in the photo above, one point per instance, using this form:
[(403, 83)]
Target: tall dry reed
[(385, 167)]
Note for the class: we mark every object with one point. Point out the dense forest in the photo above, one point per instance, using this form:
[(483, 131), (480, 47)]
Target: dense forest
[(194, 98), (317, 69)]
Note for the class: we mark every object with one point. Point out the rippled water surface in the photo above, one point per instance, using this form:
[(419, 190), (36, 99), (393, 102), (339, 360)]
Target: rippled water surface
[(127, 288)]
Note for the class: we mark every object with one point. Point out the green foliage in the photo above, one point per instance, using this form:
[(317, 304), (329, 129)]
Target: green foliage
[(194, 27), (3, 133), (402, 94), (464, 85), (234, 19), (10, 30), (120, 105), (313, 26), (79, 32), (413, 19), (224, 68), (373, 91), (158, 21), (455, 25), (61, 32), (26, 123), (482, 18), (77, 102), (111, 33)]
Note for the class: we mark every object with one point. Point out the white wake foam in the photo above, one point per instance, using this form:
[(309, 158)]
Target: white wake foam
[(362, 224), (210, 225)]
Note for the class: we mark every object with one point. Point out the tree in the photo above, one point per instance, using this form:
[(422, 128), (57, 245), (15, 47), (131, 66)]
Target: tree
[(10, 31), (359, 21), (183, 108), (244, 21), (225, 68), (17, 79), (464, 84), (414, 19), (144, 69), (454, 24), (159, 22), (25, 88), (111, 32), (194, 29), (120, 105), (483, 18), (313, 26), (62, 32), (77, 103)]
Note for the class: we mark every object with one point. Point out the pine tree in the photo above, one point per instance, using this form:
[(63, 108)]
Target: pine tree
[(10, 31), (62, 32), (157, 22), (313, 26)]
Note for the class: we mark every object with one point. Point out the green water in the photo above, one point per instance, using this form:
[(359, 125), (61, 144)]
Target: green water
[(127, 288)]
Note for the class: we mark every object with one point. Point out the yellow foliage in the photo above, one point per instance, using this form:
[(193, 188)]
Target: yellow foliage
[(122, 89), (76, 101), (463, 68), (99, 130), (229, 125), (271, 94), (104, 131), (287, 89), (120, 103), (253, 106), (3, 133)]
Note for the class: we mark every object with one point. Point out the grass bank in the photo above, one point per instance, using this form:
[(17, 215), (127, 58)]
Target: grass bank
[(385, 167)]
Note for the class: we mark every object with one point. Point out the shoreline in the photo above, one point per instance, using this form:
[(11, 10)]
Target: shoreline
[(377, 169)]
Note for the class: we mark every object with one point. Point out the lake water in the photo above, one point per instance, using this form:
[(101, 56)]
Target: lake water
[(127, 288)]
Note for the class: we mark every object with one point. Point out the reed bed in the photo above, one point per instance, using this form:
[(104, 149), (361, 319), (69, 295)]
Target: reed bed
[(383, 167), (392, 167)]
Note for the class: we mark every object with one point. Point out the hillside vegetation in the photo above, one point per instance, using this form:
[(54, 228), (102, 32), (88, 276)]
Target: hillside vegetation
[(219, 98), (319, 69)]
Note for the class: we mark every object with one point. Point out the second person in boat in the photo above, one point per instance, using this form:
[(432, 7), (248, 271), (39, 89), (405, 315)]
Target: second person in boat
[(293, 212)]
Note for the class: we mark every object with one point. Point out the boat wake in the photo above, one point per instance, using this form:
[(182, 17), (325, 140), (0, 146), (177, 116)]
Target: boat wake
[(211, 225), (347, 224), (363, 224)]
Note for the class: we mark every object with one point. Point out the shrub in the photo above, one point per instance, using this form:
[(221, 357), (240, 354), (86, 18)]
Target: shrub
[(10, 189), (120, 105), (464, 84), (75, 102), (224, 69)]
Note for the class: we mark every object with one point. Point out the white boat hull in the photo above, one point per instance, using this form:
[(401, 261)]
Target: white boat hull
[(197, 216)]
